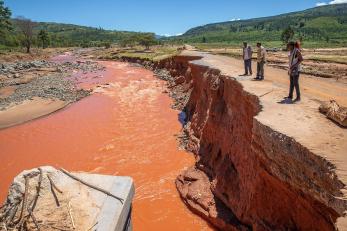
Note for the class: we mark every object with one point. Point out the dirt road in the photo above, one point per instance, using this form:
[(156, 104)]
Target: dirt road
[(315, 88)]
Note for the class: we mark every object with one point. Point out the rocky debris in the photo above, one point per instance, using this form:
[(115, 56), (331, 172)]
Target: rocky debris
[(195, 190), (178, 90), (20, 68), (334, 112), (52, 86), (84, 66), (163, 74), (44, 79), (14, 68), (180, 80)]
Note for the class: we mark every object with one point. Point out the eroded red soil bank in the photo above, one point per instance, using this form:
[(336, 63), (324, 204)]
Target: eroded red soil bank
[(125, 128), (248, 176)]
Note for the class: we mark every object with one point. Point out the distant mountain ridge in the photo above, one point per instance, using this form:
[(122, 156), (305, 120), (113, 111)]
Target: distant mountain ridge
[(325, 23)]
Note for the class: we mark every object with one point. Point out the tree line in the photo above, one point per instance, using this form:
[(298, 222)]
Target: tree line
[(23, 32)]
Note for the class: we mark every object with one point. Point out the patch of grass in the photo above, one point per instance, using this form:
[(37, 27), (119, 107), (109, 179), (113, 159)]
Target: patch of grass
[(156, 53), (329, 59)]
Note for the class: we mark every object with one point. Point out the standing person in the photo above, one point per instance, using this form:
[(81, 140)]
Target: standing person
[(295, 60), (247, 58), (261, 59)]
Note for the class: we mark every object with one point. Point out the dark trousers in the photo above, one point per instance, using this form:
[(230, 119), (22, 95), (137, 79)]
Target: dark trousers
[(248, 66), (260, 69), (294, 83)]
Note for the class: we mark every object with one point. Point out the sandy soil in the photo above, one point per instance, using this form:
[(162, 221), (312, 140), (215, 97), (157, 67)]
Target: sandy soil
[(6, 91), (29, 110)]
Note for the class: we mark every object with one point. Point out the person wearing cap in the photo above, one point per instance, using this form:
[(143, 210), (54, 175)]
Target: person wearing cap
[(261, 59), (247, 58), (295, 60)]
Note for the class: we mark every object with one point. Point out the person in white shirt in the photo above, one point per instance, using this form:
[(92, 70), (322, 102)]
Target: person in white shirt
[(247, 58), (295, 60)]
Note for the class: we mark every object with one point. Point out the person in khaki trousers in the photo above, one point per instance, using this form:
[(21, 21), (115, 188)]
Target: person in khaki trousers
[(261, 60)]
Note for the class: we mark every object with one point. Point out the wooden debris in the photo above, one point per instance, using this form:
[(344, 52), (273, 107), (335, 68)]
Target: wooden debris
[(24, 202), (31, 214), (53, 184), (90, 185), (37, 190), (13, 213), (53, 193), (71, 217), (93, 226), (334, 112)]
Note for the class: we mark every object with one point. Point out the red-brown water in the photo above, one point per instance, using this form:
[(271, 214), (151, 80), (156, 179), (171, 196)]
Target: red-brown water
[(126, 128)]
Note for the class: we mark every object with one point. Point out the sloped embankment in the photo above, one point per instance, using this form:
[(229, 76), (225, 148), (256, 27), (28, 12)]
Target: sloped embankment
[(247, 176)]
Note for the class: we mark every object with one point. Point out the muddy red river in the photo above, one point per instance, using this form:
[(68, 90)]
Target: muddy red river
[(125, 128)]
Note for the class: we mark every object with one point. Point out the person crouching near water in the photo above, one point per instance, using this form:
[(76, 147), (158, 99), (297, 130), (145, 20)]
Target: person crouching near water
[(261, 60), (295, 60), (247, 58)]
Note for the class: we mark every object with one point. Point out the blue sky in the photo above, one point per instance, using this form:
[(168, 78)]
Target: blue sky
[(169, 17)]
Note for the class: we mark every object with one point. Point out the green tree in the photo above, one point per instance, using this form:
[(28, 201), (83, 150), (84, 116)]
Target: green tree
[(146, 40), (43, 38), (128, 41), (287, 35), (204, 39), (5, 15), (26, 26)]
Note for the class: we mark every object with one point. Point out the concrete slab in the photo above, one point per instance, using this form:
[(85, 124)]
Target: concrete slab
[(78, 205)]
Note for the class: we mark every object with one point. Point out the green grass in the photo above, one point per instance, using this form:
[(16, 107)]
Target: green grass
[(156, 53), (329, 59)]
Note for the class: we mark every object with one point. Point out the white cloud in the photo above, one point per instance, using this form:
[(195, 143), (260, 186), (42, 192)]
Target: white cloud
[(235, 19), (338, 1), (320, 3), (331, 2), (169, 35)]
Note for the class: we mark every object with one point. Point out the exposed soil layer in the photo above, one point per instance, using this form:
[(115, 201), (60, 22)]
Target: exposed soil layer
[(247, 175)]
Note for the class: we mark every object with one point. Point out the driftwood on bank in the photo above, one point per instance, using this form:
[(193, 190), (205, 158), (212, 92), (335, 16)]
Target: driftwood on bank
[(20, 220), (53, 184), (91, 186), (334, 112)]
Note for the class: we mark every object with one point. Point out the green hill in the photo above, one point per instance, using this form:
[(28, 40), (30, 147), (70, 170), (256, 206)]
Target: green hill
[(68, 34), (63, 35), (324, 25)]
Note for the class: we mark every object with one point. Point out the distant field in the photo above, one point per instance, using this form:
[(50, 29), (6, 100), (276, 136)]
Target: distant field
[(155, 53)]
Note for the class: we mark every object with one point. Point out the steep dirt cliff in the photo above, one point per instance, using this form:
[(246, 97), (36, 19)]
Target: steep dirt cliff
[(247, 175)]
